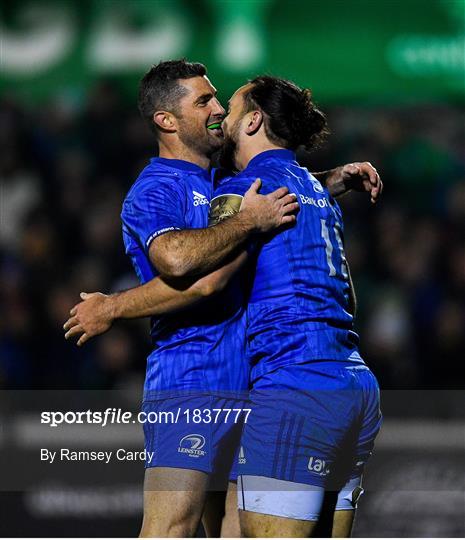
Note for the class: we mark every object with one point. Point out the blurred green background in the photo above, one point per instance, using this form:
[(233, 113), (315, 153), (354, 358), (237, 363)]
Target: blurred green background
[(373, 50)]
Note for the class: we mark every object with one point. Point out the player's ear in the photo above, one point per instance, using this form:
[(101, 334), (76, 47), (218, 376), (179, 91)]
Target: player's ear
[(165, 121), (254, 122)]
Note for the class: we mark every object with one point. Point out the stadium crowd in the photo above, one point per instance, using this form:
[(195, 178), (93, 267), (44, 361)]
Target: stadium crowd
[(67, 165)]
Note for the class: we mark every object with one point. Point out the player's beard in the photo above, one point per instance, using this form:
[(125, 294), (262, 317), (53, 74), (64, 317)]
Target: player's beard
[(230, 148), (199, 140)]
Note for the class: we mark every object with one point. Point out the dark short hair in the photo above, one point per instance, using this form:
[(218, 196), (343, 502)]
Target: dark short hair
[(291, 117), (159, 88)]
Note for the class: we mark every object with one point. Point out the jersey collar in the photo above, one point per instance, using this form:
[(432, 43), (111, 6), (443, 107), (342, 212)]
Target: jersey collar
[(180, 164), (281, 154)]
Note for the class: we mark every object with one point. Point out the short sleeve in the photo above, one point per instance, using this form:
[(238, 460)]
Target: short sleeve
[(154, 210)]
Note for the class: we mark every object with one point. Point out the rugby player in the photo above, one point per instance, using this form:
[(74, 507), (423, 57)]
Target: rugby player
[(201, 357), (315, 404), (193, 365)]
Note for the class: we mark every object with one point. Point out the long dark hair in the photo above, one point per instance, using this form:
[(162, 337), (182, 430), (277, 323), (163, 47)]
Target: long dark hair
[(291, 117)]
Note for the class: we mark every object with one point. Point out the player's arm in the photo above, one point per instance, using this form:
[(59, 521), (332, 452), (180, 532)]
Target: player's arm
[(199, 251), (97, 312), (163, 295), (353, 176)]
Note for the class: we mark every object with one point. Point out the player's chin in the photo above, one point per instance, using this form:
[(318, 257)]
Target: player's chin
[(216, 141)]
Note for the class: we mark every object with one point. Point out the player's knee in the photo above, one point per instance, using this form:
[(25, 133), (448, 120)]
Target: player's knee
[(185, 528), (183, 522), (170, 527)]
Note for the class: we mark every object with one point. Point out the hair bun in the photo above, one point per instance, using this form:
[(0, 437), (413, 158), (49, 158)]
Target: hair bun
[(311, 125)]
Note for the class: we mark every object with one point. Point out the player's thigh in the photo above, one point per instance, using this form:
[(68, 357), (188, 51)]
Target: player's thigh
[(174, 500), (230, 527), (311, 511), (326, 521), (255, 525)]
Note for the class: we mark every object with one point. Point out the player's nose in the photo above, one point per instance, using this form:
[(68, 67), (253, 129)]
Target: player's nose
[(217, 108)]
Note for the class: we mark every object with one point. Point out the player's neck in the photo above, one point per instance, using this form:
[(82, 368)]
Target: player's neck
[(248, 151), (180, 151)]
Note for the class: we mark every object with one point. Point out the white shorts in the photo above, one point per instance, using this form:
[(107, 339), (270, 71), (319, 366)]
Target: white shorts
[(290, 499)]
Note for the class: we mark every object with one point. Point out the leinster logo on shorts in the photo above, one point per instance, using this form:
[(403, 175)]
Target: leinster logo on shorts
[(192, 445)]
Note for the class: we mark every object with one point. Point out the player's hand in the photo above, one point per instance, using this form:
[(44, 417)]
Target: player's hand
[(268, 212), (89, 318), (357, 176)]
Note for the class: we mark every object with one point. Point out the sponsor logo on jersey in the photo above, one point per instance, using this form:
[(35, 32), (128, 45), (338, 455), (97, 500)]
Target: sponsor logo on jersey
[(199, 199), (242, 459), (319, 203), (318, 466), (317, 185), (192, 445)]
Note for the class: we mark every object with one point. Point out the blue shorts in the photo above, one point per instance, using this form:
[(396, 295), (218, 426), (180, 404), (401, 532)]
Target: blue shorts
[(195, 432), (312, 423)]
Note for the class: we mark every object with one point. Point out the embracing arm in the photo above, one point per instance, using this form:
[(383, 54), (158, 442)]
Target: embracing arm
[(356, 176), (97, 312), (161, 296), (199, 251)]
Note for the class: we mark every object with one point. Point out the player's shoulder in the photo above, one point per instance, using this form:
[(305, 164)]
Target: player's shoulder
[(232, 184), (154, 178)]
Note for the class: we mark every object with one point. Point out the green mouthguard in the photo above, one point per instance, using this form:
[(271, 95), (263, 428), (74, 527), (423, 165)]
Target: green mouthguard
[(214, 126)]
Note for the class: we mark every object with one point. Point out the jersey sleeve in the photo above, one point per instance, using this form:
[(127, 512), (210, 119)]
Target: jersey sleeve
[(154, 210)]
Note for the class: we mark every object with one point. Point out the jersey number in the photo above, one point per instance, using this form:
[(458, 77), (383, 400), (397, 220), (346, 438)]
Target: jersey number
[(329, 249)]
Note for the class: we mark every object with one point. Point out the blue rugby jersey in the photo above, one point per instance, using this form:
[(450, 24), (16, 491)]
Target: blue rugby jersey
[(200, 349), (298, 305)]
